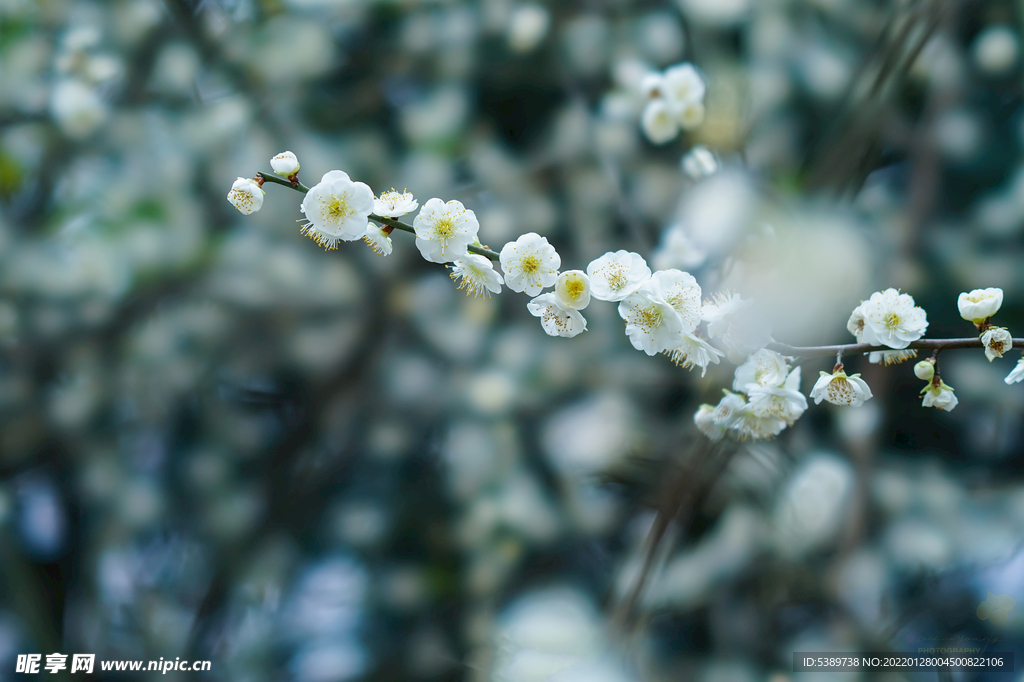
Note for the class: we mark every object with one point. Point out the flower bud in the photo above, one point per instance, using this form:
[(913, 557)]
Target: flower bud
[(246, 195), (980, 304), (285, 163), (924, 370)]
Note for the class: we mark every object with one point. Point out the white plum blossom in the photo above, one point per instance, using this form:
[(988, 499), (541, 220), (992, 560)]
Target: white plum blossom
[(616, 275), (681, 291), (652, 324), (784, 402), (651, 85), (246, 195), (734, 414), (285, 163), (839, 388), (728, 411), (394, 204), (996, 340), (477, 274), (444, 230), (891, 319), (734, 321), (763, 368), (980, 304), (925, 370), (939, 396), (699, 163), (694, 352), (530, 264), (659, 122), (1016, 374), (336, 209), (572, 289), (682, 85), (556, 319), (704, 418), (677, 250), (378, 239), (691, 115)]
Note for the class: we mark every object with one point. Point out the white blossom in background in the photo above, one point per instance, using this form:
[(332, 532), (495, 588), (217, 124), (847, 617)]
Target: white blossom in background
[(704, 418), (734, 414), (940, 397), (699, 163), (691, 115), (763, 368), (394, 204), (651, 85), (285, 163), (980, 304), (925, 370), (996, 340), (77, 108), (246, 195), (839, 388), (530, 264), (681, 86), (681, 291), (784, 402), (444, 230), (694, 352), (556, 319), (1016, 374), (676, 101), (336, 209), (572, 289), (660, 124), (616, 275), (891, 319), (735, 322), (476, 275), (677, 250), (652, 324), (378, 239)]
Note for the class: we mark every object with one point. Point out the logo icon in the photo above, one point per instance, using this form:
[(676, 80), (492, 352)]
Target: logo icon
[(996, 609)]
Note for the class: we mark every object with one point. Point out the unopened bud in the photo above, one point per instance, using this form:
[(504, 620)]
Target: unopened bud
[(925, 370)]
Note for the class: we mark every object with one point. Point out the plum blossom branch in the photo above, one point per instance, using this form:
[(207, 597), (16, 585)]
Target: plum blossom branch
[(859, 348), (390, 222)]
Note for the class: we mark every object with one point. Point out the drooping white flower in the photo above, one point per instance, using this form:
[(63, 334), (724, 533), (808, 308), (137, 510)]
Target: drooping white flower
[(980, 304), (691, 115), (699, 163), (705, 421), (996, 340), (891, 319), (677, 250), (681, 291), (378, 239), (734, 321), (763, 368), (729, 410), (652, 324), (444, 230), (925, 370), (784, 402), (659, 121), (394, 204), (572, 289), (246, 195), (682, 85), (285, 163), (337, 209), (556, 319), (477, 274), (1016, 374), (616, 275), (891, 357), (694, 352), (530, 264), (940, 396), (839, 388)]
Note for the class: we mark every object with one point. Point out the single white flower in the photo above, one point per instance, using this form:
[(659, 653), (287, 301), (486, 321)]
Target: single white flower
[(763, 368), (1016, 374), (980, 304), (839, 388), (705, 421), (694, 352), (996, 340), (337, 209), (285, 163), (699, 163), (677, 250), (784, 402), (378, 239), (616, 275), (740, 328), (891, 357), (691, 116), (681, 291), (444, 230), (729, 410), (659, 122), (477, 274), (246, 195), (891, 319), (572, 289), (556, 319), (940, 397), (652, 324), (925, 370), (855, 324), (682, 85), (530, 264), (394, 204)]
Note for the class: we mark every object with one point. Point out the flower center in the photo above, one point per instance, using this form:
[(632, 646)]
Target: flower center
[(575, 288), (338, 209), (444, 229), (530, 264), (892, 321), (649, 317), (616, 277)]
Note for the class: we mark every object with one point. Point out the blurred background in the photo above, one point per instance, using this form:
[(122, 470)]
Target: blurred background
[(219, 442)]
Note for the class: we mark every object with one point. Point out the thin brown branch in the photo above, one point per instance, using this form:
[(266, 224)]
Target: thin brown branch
[(860, 348)]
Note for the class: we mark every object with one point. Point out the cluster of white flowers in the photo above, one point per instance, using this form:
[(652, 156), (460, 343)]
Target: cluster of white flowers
[(891, 319), (978, 307), (676, 101)]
